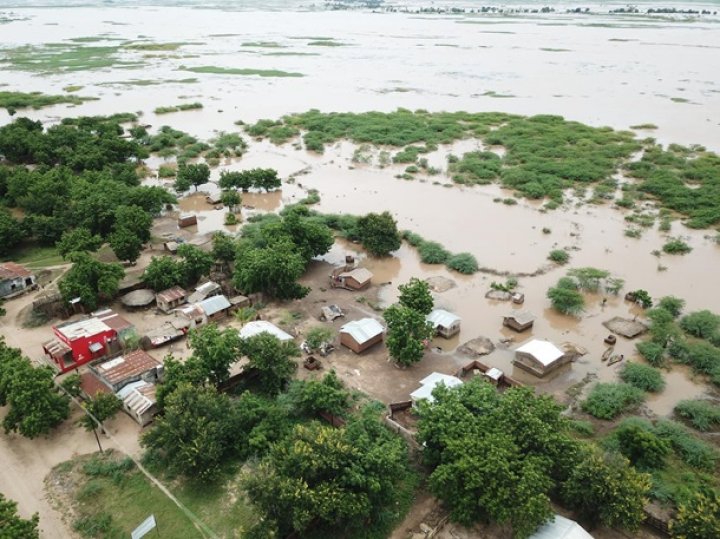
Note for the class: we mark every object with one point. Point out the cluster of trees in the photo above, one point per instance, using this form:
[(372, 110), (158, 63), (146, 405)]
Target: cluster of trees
[(566, 296), (258, 178), (164, 272), (191, 175), (408, 331), (501, 456), (12, 525), (35, 405)]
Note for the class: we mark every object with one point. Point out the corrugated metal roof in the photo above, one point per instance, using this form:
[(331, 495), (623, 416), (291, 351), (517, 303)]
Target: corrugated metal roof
[(363, 330), (361, 275), (261, 326), (214, 305), (440, 317), (561, 528), (11, 270), (171, 294), (138, 396), (135, 363), (544, 351), (112, 319), (83, 328), (430, 382)]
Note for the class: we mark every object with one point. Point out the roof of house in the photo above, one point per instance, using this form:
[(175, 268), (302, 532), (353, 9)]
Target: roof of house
[(191, 311), (361, 275), (138, 298), (214, 304), (363, 330), (442, 318), (11, 270), (56, 348), (91, 385), (430, 382), (136, 363), (112, 319), (544, 351), (262, 326), (561, 528), (203, 291), (171, 294), (138, 396), (522, 317), (494, 373), (86, 327)]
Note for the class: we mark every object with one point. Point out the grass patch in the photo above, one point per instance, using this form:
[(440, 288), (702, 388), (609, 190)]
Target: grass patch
[(676, 246), (178, 108), (326, 43), (38, 100), (65, 57), (263, 44), (493, 93), (156, 46), (551, 49), (609, 400), (642, 377), (644, 127), (701, 414), (150, 82), (559, 256), (288, 53), (72, 88), (36, 257), (216, 70)]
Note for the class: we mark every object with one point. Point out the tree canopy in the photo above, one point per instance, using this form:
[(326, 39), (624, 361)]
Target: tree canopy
[(90, 280), (271, 359), (416, 295), (12, 525), (379, 234), (407, 334)]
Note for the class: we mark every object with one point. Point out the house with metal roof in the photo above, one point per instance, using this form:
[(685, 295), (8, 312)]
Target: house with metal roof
[(170, 299), (444, 322), (262, 326), (561, 528), (540, 357), (354, 279), (15, 280), (204, 291), (137, 365), (215, 307), (359, 335), (139, 401), (429, 383)]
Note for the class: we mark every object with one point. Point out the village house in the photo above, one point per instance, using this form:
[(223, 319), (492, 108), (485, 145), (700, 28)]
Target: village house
[(354, 279), (262, 326), (429, 383), (208, 310), (170, 299), (15, 279), (139, 401), (519, 321), (205, 290), (137, 365), (359, 335), (445, 324), (186, 220), (540, 357)]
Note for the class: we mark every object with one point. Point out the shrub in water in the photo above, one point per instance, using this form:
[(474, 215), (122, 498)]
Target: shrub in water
[(652, 352), (702, 414), (463, 263), (559, 256), (607, 401), (642, 377)]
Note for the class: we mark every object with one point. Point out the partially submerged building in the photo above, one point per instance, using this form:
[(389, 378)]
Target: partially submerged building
[(540, 357), (354, 279), (429, 383), (445, 323), (170, 299), (15, 280), (262, 326), (519, 320), (187, 219), (359, 335)]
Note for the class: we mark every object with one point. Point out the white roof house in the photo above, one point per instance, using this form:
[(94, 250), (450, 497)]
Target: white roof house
[(429, 383), (83, 328), (561, 528), (361, 275), (543, 351), (363, 330), (214, 305), (440, 317), (261, 326)]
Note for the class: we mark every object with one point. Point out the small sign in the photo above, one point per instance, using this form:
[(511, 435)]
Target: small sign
[(143, 529)]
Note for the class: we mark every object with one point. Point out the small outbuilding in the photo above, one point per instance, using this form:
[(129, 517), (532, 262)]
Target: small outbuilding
[(170, 299), (171, 246), (359, 335), (561, 528), (205, 290), (429, 383), (187, 219), (139, 401), (519, 321), (215, 198), (215, 308), (15, 280), (355, 279), (445, 324), (540, 357), (262, 326)]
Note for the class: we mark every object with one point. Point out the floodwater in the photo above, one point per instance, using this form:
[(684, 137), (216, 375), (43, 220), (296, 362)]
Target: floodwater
[(598, 69)]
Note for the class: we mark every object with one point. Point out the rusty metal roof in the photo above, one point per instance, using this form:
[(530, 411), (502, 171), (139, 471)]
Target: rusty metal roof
[(136, 363), (11, 270), (91, 385), (171, 294)]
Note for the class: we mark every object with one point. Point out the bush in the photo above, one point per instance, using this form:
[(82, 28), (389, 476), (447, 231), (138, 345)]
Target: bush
[(642, 377), (641, 445), (565, 297), (583, 428), (432, 252), (463, 263), (702, 324), (559, 256), (672, 305), (702, 414), (676, 246), (97, 525), (317, 336), (607, 401), (692, 451), (652, 352)]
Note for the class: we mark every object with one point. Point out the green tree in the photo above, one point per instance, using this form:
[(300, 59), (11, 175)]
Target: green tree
[(134, 219), (90, 280), (698, 518), (272, 359), (310, 237), (565, 298), (101, 407), (317, 336), (192, 175), (125, 244), (12, 526), (194, 435), (164, 272), (703, 324), (11, 232), (662, 326), (643, 298), (312, 397), (78, 239), (182, 184), (329, 482), (235, 180), (416, 295), (606, 490), (672, 305), (231, 198), (379, 234), (407, 334), (223, 247), (272, 270), (645, 449), (177, 373), (196, 262), (215, 350)]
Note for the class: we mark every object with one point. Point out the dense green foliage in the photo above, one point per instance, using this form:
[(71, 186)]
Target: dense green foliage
[(36, 100), (272, 360), (463, 263), (559, 256), (701, 414), (318, 335), (676, 246), (701, 324), (164, 272), (12, 525), (35, 406), (407, 334), (100, 408), (415, 294), (698, 518), (378, 233), (643, 447), (642, 377), (312, 397), (90, 280), (652, 352), (258, 178), (672, 305), (608, 400), (565, 297)]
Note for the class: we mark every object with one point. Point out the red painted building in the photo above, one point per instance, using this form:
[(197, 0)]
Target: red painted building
[(82, 341)]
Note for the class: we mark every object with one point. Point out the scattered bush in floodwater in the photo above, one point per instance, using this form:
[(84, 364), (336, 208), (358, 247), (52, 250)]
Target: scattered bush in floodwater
[(178, 108), (559, 256), (608, 400), (565, 298), (701, 413), (36, 100), (702, 324), (463, 263), (509, 201), (652, 352), (431, 252), (676, 246), (672, 305), (643, 377), (633, 232), (692, 451), (476, 168), (167, 171), (546, 230)]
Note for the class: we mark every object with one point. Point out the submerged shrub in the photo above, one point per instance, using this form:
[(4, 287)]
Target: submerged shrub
[(463, 263), (652, 352), (676, 246), (702, 414), (559, 256), (642, 377), (608, 400)]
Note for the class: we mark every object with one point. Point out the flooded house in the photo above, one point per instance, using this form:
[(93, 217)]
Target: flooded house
[(170, 299), (263, 326), (354, 279), (540, 357), (445, 324), (429, 383), (359, 335), (187, 219), (15, 280), (519, 321)]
